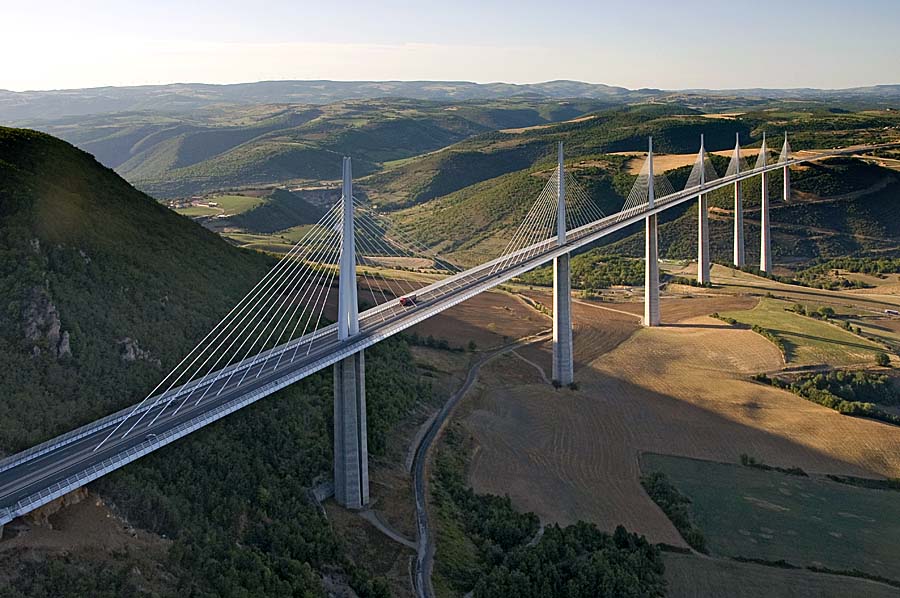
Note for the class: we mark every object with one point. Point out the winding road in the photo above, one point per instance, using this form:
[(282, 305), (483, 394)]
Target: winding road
[(425, 546)]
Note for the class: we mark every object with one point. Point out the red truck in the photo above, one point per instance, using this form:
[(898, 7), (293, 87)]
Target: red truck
[(408, 301)]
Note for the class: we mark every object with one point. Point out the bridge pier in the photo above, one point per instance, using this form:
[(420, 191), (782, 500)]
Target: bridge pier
[(738, 226), (651, 253), (785, 157), (765, 241), (738, 207), (702, 223), (563, 353), (651, 274), (703, 240), (351, 453)]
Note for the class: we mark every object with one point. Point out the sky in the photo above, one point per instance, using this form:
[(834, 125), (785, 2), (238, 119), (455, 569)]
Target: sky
[(676, 44)]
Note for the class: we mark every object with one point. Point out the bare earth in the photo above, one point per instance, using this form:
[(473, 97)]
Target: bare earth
[(680, 389)]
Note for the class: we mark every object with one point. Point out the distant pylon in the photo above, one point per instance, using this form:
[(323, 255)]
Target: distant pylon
[(784, 158), (738, 206), (563, 357), (351, 453), (765, 239), (651, 254), (702, 222)]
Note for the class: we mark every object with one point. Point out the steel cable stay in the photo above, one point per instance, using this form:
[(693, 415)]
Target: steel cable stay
[(512, 245), (381, 246), (314, 279), (525, 230), (317, 235), (375, 246), (223, 324), (267, 306), (320, 234), (410, 245), (246, 354), (293, 317)]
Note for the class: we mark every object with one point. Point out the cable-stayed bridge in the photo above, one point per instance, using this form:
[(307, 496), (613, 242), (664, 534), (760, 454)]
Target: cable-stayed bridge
[(291, 325)]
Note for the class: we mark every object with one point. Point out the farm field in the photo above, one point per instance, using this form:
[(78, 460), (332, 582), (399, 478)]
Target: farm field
[(690, 576), (807, 341), (680, 389), (806, 521), (227, 204)]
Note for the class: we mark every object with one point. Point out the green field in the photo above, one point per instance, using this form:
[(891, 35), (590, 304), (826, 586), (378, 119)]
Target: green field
[(773, 516), (807, 341), (235, 204), (228, 204), (195, 211)]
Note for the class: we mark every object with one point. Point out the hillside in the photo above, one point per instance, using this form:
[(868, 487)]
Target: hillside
[(104, 290), (675, 129), (21, 107), (840, 207), (219, 147), (468, 198)]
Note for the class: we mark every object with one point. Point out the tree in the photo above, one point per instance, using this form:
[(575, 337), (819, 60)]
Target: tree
[(882, 359)]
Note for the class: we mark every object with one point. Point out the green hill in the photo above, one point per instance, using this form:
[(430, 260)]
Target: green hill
[(280, 210), (178, 154), (675, 129), (103, 290)]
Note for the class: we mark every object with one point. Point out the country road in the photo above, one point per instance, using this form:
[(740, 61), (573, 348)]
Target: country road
[(425, 547)]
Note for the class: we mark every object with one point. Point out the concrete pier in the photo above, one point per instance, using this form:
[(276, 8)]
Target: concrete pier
[(563, 366), (563, 359), (351, 453), (651, 274), (765, 240), (738, 226), (702, 240), (738, 207), (702, 223), (787, 184)]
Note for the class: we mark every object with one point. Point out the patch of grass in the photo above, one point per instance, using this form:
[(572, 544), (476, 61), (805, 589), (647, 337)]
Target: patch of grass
[(806, 521), (806, 341)]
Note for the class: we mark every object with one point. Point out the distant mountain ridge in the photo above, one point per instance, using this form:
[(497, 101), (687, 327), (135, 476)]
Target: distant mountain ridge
[(28, 106)]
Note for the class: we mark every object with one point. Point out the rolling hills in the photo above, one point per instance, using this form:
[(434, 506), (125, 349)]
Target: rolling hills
[(484, 185), (22, 107), (171, 155)]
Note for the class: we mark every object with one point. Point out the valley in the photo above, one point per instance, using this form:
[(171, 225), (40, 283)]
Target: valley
[(733, 387)]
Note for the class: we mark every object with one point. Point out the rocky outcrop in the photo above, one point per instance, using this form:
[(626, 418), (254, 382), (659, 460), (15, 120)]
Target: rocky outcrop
[(41, 516), (130, 351), (43, 327)]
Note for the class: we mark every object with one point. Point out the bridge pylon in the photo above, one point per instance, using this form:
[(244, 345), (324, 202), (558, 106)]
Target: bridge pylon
[(702, 223), (738, 207), (785, 158), (765, 240), (351, 454), (651, 254), (563, 356)]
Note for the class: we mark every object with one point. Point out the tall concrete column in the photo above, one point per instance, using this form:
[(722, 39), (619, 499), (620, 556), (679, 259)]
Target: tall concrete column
[(702, 223), (765, 241), (785, 157), (738, 208), (351, 453), (651, 256), (563, 359)]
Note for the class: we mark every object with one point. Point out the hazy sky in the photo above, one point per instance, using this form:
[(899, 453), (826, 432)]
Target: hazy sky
[(644, 43)]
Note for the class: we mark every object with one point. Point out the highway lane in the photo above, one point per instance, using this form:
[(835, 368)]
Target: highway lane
[(45, 470)]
